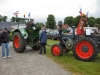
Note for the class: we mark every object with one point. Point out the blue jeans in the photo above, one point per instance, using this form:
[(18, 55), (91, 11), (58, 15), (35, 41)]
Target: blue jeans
[(5, 46)]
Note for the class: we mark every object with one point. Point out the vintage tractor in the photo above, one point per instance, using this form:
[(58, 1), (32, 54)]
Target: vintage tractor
[(22, 38), (87, 45), (84, 47), (65, 44)]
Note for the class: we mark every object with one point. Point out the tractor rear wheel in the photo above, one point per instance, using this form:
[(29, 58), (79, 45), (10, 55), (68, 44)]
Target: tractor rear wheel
[(56, 50), (85, 48), (19, 43)]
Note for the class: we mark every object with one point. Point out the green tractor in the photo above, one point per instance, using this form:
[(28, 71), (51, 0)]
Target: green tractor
[(22, 37)]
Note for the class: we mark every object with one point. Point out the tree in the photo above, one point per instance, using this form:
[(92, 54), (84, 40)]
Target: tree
[(97, 21), (0, 18), (92, 18), (39, 24), (97, 25), (76, 20), (51, 22), (68, 20), (4, 18), (47, 26), (13, 19), (91, 22)]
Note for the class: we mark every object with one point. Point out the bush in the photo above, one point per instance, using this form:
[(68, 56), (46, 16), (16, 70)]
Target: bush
[(97, 25)]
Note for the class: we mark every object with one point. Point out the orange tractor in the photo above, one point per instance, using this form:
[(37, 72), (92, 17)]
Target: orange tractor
[(85, 45)]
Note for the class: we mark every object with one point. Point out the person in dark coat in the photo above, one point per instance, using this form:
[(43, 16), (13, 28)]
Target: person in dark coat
[(43, 41), (30, 24), (4, 39)]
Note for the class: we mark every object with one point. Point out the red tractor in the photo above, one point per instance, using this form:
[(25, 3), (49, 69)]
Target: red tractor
[(86, 46)]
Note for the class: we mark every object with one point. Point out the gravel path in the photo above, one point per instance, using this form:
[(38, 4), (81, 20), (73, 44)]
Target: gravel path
[(29, 63)]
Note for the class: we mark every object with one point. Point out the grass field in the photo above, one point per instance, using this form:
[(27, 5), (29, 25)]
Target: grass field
[(70, 63)]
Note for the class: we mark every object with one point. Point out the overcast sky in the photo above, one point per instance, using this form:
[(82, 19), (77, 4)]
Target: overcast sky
[(40, 9)]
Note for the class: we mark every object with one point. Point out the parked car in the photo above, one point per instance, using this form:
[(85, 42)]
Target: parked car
[(54, 35)]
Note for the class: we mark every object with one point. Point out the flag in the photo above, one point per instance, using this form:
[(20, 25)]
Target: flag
[(80, 11), (29, 14), (87, 14), (16, 13)]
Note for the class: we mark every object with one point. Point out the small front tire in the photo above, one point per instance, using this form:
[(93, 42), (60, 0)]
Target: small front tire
[(56, 50)]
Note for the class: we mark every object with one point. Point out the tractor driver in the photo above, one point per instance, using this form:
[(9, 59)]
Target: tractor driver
[(30, 24)]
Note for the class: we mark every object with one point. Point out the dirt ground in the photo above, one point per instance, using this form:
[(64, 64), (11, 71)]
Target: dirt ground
[(29, 63)]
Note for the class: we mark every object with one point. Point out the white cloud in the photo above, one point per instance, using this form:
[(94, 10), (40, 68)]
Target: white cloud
[(40, 9)]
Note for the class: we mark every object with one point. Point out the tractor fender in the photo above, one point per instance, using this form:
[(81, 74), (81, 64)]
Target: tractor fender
[(23, 32)]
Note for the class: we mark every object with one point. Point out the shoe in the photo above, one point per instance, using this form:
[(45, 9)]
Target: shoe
[(4, 57), (8, 56), (40, 53)]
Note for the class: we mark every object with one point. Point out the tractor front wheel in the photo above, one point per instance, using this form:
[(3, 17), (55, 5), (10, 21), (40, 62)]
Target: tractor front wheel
[(56, 50), (85, 48), (19, 43)]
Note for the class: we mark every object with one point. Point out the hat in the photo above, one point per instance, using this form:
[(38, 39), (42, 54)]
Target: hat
[(5, 29)]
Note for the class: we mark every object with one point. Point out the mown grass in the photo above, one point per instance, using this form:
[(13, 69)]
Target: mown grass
[(70, 63)]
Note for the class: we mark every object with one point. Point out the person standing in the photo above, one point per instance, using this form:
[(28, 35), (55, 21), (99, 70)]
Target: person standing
[(4, 38), (43, 41)]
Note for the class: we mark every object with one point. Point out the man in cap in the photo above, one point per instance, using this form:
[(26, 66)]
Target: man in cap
[(4, 38)]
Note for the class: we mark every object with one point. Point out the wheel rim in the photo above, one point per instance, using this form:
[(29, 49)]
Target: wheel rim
[(16, 41), (56, 50), (84, 49)]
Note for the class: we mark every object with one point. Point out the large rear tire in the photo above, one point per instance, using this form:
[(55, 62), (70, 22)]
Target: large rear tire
[(85, 48), (19, 43), (56, 50)]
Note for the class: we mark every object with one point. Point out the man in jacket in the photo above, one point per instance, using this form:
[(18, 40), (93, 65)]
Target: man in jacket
[(30, 24), (43, 41), (4, 38)]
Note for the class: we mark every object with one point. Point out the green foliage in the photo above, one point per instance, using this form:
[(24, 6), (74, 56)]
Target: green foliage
[(4, 18), (76, 20), (68, 20), (47, 25), (97, 21), (13, 19), (0, 18), (17, 19), (51, 22), (92, 18), (91, 22), (64, 30), (39, 24), (97, 25)]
